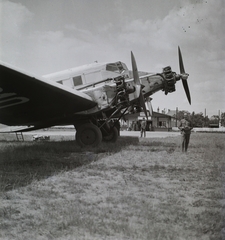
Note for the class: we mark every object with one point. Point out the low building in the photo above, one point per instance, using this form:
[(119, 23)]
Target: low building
[(156, 122)]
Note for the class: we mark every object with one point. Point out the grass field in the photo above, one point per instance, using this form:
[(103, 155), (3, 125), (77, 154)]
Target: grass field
[(132, 189)]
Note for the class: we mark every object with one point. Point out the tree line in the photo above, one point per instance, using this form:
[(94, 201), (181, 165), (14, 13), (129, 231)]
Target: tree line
[(199, 120)]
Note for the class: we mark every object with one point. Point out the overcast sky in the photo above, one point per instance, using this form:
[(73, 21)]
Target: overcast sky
[(45, 36)]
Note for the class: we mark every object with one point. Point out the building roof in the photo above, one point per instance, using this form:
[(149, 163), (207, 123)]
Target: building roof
[(139, 115), (162, 115), (171, 113)]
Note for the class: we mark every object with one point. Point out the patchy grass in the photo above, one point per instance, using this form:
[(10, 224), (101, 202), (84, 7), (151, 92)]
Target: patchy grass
[(23, 162), (131, 189)]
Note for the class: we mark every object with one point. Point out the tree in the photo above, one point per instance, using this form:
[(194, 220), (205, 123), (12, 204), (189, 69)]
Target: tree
[(180, 114), (197, 119), (222, 119), (214, 119)]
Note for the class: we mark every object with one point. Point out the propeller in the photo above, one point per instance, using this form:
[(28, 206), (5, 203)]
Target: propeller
[(184, 76), (149, 105), (137, 82)]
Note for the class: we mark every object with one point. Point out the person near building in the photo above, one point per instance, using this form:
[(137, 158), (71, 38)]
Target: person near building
[(143, 127), (185, 127)]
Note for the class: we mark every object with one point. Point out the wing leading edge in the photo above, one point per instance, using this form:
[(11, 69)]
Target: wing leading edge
[(27, 100)]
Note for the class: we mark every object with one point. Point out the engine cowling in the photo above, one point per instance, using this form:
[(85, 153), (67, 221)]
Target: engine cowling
[(170, 80)]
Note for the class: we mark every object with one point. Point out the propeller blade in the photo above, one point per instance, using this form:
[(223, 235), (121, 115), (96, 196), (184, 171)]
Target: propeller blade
[(137, 82), (135, 70), (149, 105), (142, 104), (186, 89), (184, 77), (181, 61)]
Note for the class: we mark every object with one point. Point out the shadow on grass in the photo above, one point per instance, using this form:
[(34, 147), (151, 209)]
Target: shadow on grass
[(23, 162)]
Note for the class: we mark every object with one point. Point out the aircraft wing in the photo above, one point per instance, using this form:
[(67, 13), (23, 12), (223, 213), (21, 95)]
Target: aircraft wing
[(28, 100)]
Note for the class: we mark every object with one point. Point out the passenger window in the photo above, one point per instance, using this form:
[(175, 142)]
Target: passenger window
[(77, 81)]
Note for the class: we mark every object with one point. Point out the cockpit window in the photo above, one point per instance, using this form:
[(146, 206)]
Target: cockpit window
[(124, 66), (111, 67), (117, 67)]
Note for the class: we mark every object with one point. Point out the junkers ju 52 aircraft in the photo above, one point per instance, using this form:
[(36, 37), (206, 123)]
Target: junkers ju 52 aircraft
[(93, 98)]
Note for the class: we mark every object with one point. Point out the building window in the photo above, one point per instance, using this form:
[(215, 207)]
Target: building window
[(162, 123)]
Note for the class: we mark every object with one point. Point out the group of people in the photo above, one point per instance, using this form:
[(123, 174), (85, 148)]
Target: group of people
[(185, 127)]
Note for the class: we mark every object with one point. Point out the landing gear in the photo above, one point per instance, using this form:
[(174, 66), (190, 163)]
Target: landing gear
[(111, 136), (88, 134), (99, 128)]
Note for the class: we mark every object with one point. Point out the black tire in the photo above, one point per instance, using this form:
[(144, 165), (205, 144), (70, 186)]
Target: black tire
[(88, 135), (112, 136)]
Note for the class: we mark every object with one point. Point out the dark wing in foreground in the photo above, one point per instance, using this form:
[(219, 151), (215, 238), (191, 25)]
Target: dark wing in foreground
[(26, 100)]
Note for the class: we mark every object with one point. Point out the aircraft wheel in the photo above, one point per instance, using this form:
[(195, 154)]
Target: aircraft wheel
[(88, 135), (112, 136)]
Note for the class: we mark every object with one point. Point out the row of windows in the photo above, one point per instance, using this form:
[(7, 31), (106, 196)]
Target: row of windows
[(117, 67)]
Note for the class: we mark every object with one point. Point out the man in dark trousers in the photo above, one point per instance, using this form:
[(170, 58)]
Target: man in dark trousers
[(185, 127), (143, 127)]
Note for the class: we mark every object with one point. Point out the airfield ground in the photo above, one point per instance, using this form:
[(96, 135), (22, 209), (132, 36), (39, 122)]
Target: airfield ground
[(69, 134), (135, 188)]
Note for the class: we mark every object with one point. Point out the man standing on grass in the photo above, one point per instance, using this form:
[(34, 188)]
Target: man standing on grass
[(143, 127), (185, 127)]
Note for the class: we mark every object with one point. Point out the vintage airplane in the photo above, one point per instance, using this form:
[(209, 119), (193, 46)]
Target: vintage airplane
[(93, 98)]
